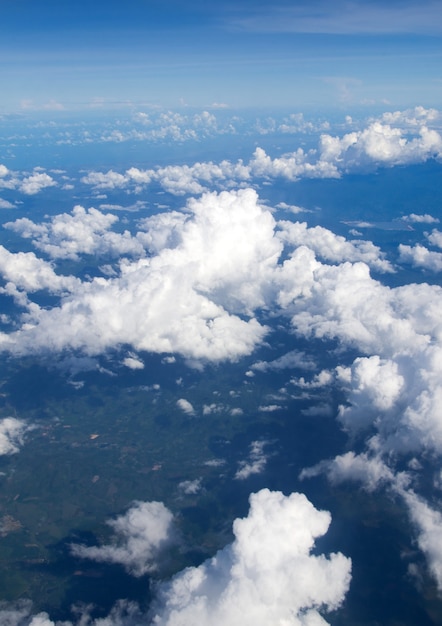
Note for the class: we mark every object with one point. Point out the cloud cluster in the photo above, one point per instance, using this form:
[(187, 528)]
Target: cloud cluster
[(380, 144), (215, 261), (141, 535), (266, 576), (84, 231), (26, 183)]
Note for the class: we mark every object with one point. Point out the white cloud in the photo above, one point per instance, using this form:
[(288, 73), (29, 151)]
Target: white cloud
[(185, 406), (33, 184), (435, 238), (141, 535), (419, 256), (256, 462), (424, 218), (185, 299), (380, 144), (190, 487), (30, 273), (133, 362), (266, 576), (66, 236), (11, 434), (333, 248), (5, 204), (370, 471), (428, 522)]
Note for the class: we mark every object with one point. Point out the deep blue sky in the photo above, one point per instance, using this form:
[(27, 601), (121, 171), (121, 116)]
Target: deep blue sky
[(68, 54)]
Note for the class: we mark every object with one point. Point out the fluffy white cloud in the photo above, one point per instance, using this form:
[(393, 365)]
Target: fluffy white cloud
[(11, 434), (218, 270), (33, 184), (370, 471), (266, 576), (420, 218), (379, 144), (30, 273), (420, 256), (66, 236), (141, 534), (185, 406), (333, 248), (256, 462)]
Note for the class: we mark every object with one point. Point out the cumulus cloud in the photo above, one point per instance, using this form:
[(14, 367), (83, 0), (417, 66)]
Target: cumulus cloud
[(84, 231), (133, 362), (218, 272), (267, 575), (185, 406), (256, 462), (30, 273), (380, 144), (424, 218), (141, 535), (420, 256), (11, 435), (33, 184), (333, 248), (368, 470)]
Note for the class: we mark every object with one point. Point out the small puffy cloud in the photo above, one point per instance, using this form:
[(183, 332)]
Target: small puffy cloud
[(419, 256), (185, 406), (420, 218), (11, 435), (266, 576), (5, 204), (141, 534), (435, 238), (370, 471), (33, 184), (133, 362), (256, 462), (190, 487)]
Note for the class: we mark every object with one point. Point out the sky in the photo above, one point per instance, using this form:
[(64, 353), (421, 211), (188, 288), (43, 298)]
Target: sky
[(80, 54), (154, 226)]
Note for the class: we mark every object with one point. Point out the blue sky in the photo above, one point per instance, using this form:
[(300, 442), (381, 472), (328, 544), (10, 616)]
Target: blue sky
[(72, 54)]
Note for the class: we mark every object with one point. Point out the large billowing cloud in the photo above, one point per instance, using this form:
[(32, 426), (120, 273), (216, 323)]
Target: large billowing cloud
[(141, 535), (195, 296), (266, 576)]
